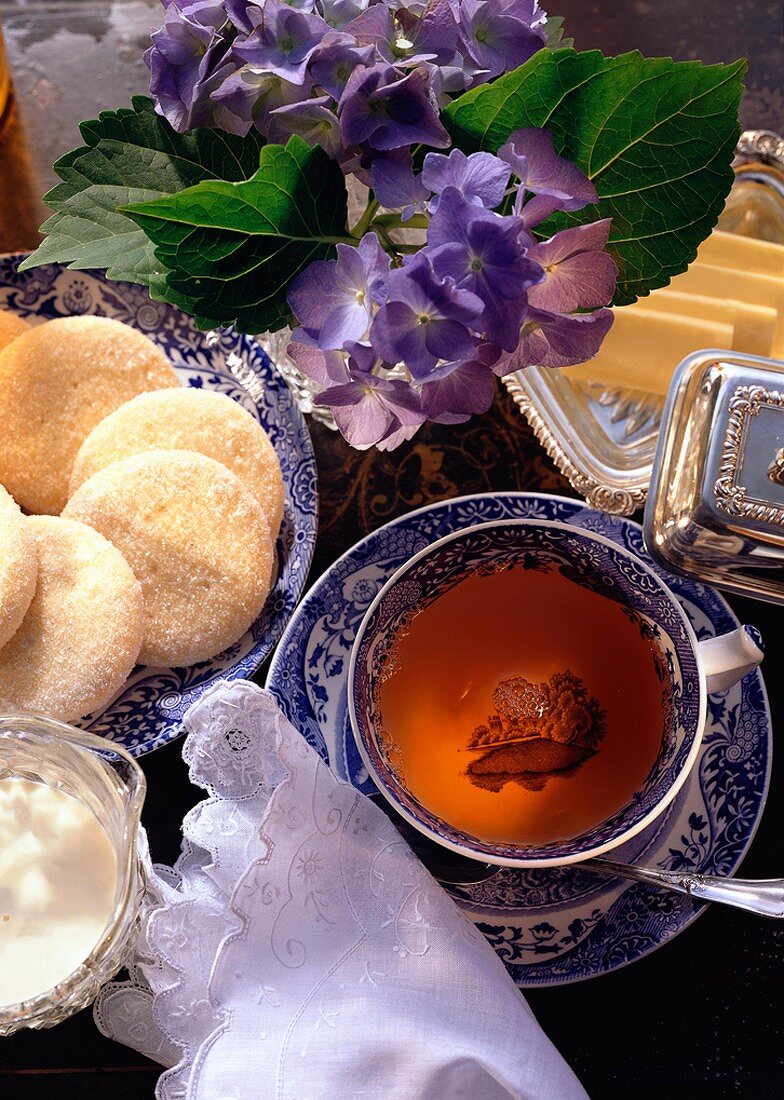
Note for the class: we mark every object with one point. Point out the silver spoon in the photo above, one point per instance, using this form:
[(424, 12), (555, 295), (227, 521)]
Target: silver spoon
[(765, 897)]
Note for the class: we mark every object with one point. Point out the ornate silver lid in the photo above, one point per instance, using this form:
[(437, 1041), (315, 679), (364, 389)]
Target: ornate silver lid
[(716, 504)]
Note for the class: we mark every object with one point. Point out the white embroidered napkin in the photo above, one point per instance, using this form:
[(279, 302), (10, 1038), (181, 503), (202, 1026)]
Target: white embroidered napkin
[(300, 951)]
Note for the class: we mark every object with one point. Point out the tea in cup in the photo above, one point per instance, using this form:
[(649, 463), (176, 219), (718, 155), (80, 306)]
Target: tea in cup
[(530, 693)]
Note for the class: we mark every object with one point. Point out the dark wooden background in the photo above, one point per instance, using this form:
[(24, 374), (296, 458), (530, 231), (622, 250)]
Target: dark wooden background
[(703, 1017)]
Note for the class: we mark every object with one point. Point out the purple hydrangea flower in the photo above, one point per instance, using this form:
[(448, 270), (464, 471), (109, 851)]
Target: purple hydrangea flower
[(313, 120), (404, 39), (188, 60), (558, 339), (483, 252), (499, 35), (210, 14), (333, 299), (555, 182), (283, 41), (369, 409), (578, 273), (254, 97), (334, 60), (327, 368), (426, 318), (397, 187), (245, 15), (364, 79), (390, 110), (466, 390), (338, 13), (481, 178)]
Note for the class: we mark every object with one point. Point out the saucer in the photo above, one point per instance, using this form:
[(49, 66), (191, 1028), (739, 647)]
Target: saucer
[(147, 712), (558, 925)]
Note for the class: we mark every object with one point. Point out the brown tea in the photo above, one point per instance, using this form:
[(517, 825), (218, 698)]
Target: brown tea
[(523, 707)]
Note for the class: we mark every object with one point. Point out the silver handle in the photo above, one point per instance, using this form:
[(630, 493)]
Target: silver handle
[(765, 897)]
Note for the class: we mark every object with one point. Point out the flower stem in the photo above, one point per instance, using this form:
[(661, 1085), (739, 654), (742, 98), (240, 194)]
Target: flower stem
[(390, 246), (394, 221), (363, 224)]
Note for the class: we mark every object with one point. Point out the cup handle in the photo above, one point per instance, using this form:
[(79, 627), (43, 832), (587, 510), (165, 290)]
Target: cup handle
[(729, 657)]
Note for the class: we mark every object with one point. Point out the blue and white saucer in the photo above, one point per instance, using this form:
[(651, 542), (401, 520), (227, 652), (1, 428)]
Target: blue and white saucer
[(148, 711), (550, 926)]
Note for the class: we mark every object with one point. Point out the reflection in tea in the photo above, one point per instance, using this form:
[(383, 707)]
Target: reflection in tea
[(539, 730), (523, 707)]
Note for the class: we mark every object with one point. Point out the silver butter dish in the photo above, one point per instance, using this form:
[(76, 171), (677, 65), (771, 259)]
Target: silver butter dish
[(715, 509), (602, 438)]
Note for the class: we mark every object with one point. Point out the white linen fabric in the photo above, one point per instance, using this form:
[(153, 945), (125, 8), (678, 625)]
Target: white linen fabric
[(299, 950)]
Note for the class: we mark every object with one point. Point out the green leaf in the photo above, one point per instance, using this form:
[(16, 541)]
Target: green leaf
[(89, 233), (655, 136), (130, 155), (555, 33), (231, 249)]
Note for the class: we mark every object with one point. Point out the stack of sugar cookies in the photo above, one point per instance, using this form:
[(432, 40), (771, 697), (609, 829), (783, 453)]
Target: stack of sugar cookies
[(152, 514)]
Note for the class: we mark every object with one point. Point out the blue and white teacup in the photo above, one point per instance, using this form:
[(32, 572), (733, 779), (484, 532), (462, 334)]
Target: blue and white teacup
[(691, 670)]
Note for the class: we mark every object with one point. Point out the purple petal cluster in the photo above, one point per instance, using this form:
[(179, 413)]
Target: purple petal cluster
[(387, 108), (333, 300), (188, 61), (396, 333), (425, 339), (230, 63)]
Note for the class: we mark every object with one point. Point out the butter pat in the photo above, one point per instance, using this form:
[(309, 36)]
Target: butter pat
[(722, 283), (742, 253), (643, 348), (754, 326), (58, 878)]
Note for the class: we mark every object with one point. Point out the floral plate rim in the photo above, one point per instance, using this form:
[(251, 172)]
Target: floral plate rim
[(532, 975), (147, 713)]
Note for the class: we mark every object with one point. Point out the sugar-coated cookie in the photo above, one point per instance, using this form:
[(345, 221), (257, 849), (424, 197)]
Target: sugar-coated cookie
[(198, 542), (18, 566), (81, 635), (194, 420), (57, 381), (11, 326)]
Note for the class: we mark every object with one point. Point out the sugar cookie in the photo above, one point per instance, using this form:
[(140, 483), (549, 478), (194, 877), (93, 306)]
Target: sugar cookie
[(18, 566), (81, 635), (57, 381), (198, 542), (193, 420), (11, 326)]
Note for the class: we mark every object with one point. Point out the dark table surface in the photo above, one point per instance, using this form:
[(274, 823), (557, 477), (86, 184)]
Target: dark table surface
[(704, 1016)]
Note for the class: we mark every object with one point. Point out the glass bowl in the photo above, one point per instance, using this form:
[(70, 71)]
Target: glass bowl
[(108, 782)]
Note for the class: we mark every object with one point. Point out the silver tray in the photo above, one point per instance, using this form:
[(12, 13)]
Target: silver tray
[(603, 439)]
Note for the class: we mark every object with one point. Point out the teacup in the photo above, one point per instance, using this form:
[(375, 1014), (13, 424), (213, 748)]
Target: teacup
[(686, 668)]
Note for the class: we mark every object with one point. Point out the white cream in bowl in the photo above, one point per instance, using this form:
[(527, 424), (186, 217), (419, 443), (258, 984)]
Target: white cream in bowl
[(58, 881)]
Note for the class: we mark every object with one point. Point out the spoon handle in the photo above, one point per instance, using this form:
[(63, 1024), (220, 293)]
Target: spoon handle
[(765, 897)]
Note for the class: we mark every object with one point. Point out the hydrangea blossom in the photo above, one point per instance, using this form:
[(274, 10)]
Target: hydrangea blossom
[(501, 34), (283, 41), (480, 178), (426, 318), (398, 329), (385, 108), (334, 299), (188, 61)]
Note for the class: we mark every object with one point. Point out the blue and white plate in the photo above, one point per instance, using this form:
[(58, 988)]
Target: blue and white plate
[(550, 926), (148, 712)]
